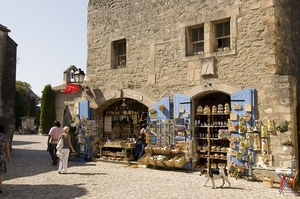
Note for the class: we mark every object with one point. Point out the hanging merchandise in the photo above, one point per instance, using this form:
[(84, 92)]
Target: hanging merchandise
[(250, 138), (256, 125), (250, 141), (264, 131), (242, 126), (256, 142), (230, 125), (271, 126), (264, 146), (243, 145)]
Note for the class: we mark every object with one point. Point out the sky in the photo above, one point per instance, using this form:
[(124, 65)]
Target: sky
[(51, 35)]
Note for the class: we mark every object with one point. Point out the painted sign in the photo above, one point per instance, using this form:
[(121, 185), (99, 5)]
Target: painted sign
[(133, 96)]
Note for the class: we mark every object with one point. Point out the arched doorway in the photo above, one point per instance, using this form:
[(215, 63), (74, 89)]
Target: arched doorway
[(122, 119), (207, 125)]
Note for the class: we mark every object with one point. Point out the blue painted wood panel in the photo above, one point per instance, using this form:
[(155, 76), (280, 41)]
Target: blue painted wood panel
[(165, 114), (84, 109), (182, 102), (243, 97)]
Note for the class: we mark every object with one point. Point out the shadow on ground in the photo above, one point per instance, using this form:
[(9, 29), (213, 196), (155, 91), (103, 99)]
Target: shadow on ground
[(27, 161), (42, 191)]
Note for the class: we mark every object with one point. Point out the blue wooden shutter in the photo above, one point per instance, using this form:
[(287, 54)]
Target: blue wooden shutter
[(243, 97), (84, 109), (160, 115), (166, 113), (182, 101)]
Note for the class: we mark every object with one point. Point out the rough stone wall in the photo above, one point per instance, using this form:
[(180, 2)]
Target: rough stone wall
[(62, 100), (287, 39), (157, 65), (8, 55)]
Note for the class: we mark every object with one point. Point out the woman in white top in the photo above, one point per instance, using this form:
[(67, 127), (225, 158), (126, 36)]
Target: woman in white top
[(65, 151)]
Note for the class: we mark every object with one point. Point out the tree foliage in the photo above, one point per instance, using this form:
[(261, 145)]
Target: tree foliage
[(47, 109), (25, 103)]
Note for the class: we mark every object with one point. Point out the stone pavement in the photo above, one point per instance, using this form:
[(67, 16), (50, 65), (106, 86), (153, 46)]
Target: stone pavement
[(32, 176)]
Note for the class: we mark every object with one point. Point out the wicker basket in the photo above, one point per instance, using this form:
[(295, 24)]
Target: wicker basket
[(169, 161), (175, 150), (157, 149), (180, 161), (160, 163), (144, 159), (151, 160), (165, 150), (160, 160), (148, 149), (105, 152)]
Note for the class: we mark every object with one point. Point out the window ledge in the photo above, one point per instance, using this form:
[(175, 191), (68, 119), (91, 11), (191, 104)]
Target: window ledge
[(212, 54)]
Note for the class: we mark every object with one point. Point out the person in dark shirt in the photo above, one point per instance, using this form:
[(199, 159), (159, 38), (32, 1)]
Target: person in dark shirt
[(4, 149)]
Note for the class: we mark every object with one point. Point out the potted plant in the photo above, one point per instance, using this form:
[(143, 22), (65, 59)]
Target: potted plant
[(123, 63), (72, 122), (283, 127), (287, 146)]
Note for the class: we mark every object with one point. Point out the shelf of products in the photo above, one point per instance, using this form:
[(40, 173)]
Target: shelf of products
[(117, 151), (211, 131)]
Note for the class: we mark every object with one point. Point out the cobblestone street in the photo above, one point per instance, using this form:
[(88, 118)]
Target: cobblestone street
[(31, 175)]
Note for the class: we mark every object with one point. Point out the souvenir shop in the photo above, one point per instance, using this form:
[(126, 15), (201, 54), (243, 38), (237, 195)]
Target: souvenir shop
[(187, 133)]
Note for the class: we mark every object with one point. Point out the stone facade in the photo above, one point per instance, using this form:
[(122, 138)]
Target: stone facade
[(263, 54), (8, 57)]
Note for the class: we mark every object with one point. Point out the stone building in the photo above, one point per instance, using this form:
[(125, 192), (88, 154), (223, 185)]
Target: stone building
[(8, 57), (209, 52)]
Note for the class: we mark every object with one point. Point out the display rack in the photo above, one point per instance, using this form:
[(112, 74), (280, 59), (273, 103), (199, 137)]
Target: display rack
[(210, 135)]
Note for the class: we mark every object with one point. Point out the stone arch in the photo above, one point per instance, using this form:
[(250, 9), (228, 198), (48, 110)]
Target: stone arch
[(208, 88), (146, 100)]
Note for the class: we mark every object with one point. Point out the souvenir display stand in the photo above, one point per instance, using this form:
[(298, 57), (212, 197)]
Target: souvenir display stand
[(166, 145), (121, 151), (211, 133), (85, 139)]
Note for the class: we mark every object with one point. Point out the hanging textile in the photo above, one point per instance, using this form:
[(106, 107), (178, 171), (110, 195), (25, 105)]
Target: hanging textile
[(71, 88)]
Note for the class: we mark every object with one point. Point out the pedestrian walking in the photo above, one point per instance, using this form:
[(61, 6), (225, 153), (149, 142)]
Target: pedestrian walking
[(65, 151), (4, 149), (53, 135), (141, 142)]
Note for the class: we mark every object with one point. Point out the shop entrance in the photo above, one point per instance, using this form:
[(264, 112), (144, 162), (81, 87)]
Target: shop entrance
[(122, 119), (210, 119)]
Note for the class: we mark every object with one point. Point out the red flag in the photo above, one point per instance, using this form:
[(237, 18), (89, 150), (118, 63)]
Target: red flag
[(71, 88)]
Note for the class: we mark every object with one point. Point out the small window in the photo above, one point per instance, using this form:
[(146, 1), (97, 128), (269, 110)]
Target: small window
[(223, 34), (198, 39), (119, 54), (195, 40)]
